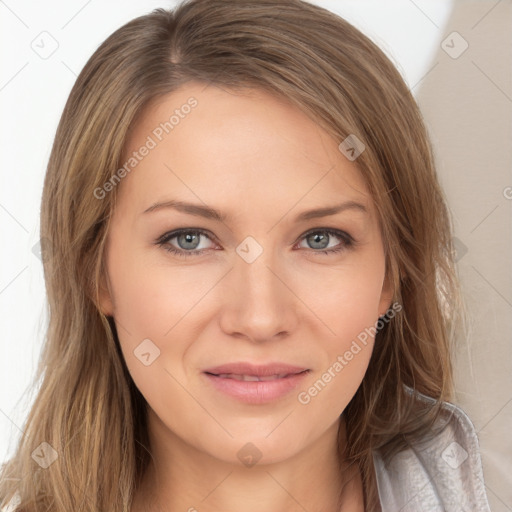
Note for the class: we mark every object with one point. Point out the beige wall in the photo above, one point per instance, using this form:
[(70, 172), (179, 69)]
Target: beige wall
[(467, 103)]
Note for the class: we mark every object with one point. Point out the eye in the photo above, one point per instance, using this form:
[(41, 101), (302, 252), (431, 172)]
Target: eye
[(320, 238), (188, 241)]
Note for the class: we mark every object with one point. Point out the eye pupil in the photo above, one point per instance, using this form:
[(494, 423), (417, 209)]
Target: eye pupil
[(317, 237), (187, 239)]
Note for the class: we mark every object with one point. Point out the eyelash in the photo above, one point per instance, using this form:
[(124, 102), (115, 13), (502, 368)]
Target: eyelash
[(163, 241)]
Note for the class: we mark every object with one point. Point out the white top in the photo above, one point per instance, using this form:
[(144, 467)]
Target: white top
[(443, 475)]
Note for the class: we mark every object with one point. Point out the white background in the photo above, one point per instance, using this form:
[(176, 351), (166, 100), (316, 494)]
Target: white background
[(467, 104)]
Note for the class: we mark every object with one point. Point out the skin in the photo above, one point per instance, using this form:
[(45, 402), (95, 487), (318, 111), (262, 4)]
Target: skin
[(262, 161)]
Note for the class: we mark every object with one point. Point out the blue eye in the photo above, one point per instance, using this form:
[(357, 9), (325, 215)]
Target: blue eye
[(319, 236), (191, 238), (185, 237)]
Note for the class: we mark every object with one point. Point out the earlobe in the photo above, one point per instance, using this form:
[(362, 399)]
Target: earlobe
[(105, 303), (386, 297)]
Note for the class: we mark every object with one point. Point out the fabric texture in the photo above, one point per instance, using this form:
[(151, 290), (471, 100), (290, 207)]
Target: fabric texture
[(440, 475)]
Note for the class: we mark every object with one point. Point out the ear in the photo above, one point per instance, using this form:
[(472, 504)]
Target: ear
[(105, 300), (386, 296)]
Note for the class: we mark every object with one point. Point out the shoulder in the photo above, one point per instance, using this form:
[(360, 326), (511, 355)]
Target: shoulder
[(439, 474)]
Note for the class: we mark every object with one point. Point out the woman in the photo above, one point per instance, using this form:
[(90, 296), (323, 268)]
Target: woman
[(255, 369)]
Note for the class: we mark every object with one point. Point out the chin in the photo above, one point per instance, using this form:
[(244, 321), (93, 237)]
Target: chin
[(258, 448)]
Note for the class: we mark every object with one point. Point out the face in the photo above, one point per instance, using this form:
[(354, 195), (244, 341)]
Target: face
[(238, 313)]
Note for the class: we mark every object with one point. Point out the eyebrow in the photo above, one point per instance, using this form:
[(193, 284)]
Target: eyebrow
[(210, 213)]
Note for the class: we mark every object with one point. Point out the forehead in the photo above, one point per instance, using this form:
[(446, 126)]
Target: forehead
[(247, 149)]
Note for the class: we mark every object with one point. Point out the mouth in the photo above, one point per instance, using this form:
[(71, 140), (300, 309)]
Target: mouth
[(254, 378), (256, 384), (243, 368)]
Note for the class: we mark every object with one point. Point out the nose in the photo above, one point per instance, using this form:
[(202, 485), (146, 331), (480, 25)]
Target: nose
[(259, 303)]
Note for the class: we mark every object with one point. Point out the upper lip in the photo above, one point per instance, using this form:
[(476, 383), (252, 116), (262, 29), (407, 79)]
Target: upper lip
[(244, 368)]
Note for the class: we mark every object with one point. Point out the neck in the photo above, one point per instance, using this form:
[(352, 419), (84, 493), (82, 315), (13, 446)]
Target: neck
[(183, 478)]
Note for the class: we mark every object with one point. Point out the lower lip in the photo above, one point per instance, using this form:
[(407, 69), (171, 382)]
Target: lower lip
[(257, 392)]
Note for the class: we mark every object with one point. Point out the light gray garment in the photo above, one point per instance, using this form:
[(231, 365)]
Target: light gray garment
[(441, 475)]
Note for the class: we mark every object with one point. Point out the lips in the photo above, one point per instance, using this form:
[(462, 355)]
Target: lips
[(242, 369), (255, 384), (251, 378)]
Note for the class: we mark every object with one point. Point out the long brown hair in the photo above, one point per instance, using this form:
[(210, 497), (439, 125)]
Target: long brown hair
[(88, 409)]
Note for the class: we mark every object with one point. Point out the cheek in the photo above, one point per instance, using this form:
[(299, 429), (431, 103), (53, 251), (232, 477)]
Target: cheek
[(349, 309), (162, 303), (347, 300), (151, 304), (348, 306), (150, 295)]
